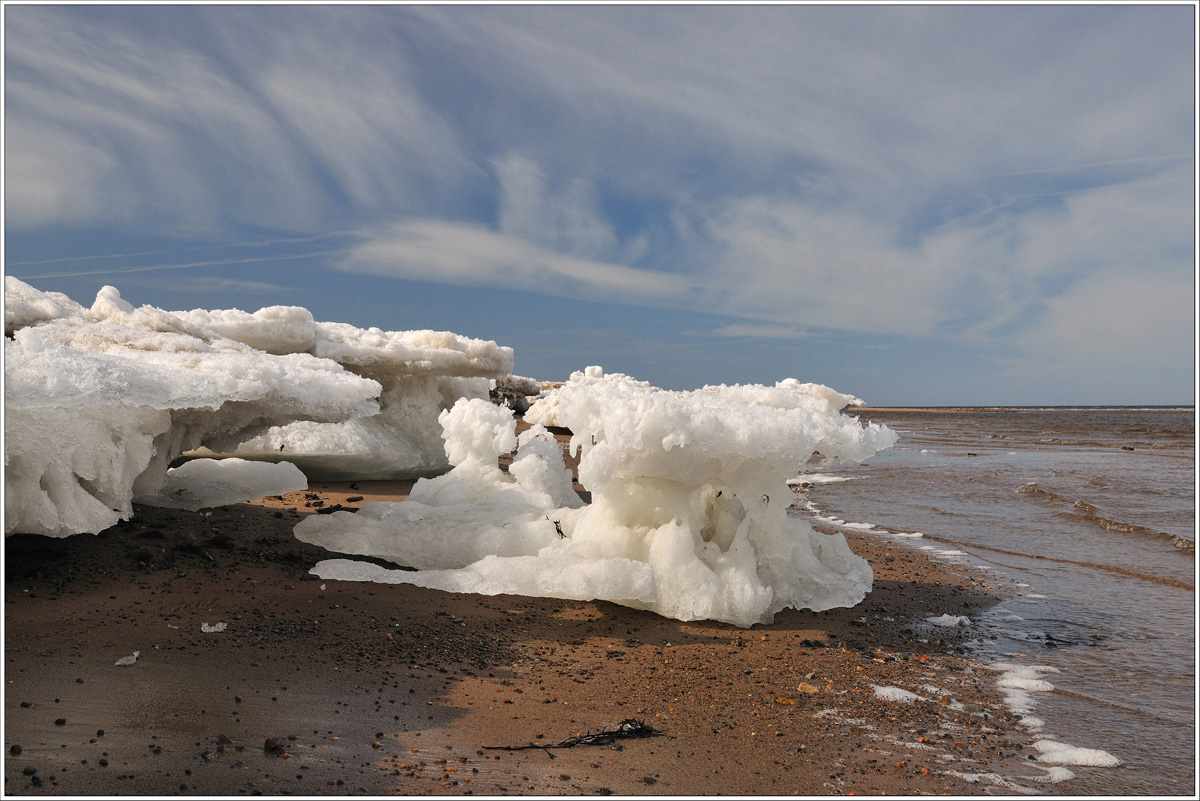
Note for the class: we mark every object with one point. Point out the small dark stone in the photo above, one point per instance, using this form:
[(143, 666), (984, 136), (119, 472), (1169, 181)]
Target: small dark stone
[(60, 722), (99, 732), (29, 770), (16, 749), (25, 705)]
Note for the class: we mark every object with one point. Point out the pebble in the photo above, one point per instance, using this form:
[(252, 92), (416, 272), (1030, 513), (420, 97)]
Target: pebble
[(15, 750)]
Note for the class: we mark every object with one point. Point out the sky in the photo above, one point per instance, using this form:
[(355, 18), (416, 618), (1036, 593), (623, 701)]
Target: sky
[(916, 205)]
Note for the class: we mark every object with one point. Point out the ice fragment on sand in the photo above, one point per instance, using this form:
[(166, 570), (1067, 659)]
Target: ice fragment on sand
[(896, 694), (201, 483), (680, 521), (206, 628), (949, 621), (128, 660)]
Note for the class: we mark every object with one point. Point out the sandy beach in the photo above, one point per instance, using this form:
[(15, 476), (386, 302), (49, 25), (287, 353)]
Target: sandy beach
[(328, 688)]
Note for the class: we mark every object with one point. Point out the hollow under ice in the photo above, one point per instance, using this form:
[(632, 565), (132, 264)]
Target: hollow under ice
[(688, 516)]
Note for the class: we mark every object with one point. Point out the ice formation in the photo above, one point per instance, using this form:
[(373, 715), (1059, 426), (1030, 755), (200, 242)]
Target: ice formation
[(422, 373), (689, 504), (896, 694), (99, 401), (203, 483)]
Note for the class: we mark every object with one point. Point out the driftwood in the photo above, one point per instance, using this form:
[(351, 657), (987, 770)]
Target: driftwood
[(628, 729)]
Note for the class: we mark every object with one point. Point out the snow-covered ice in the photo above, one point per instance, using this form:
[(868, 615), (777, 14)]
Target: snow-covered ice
[(689, 503), (421, 373), (99, 401)]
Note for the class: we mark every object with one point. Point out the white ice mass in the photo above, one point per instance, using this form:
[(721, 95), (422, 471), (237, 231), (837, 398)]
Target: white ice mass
[(203, 483), (100, 401), (689, 504), (422, 373)]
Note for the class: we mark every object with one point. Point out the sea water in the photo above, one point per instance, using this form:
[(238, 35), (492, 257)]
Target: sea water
[(1086, 517)]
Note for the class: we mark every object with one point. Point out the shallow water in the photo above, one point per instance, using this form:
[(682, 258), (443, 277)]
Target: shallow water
[(1089, 516)]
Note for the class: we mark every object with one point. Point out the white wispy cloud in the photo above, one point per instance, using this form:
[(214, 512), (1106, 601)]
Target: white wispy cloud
[(200, 130), (473, 255), (761, 331)]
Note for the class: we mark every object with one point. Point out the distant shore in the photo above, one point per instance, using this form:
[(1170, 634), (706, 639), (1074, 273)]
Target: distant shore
[(330, 688)]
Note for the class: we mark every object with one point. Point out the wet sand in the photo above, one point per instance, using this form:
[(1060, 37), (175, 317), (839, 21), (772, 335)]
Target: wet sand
[(327, 688)]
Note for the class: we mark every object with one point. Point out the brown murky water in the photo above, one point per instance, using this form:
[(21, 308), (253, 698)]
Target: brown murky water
[(1090, 515)]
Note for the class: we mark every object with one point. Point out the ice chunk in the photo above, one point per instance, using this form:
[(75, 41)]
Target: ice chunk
[(207, 629), (538, 467), (681, 506), (422, 373), (275, 329), (128, 660), (25, 306), (896, 694), (100, 401), (949, 621), (544, 410), (201, 483)]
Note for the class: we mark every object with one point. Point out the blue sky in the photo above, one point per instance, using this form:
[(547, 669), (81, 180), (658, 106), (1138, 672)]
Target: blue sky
[(916, 205)]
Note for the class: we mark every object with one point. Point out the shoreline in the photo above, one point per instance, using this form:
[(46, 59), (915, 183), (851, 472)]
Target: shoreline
[(389, 689)]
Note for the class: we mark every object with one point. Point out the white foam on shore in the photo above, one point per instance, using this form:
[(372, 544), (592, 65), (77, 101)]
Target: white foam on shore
[(1053, 752), (993, 779), (817, 478), (1055, 774), (1019, 683)]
